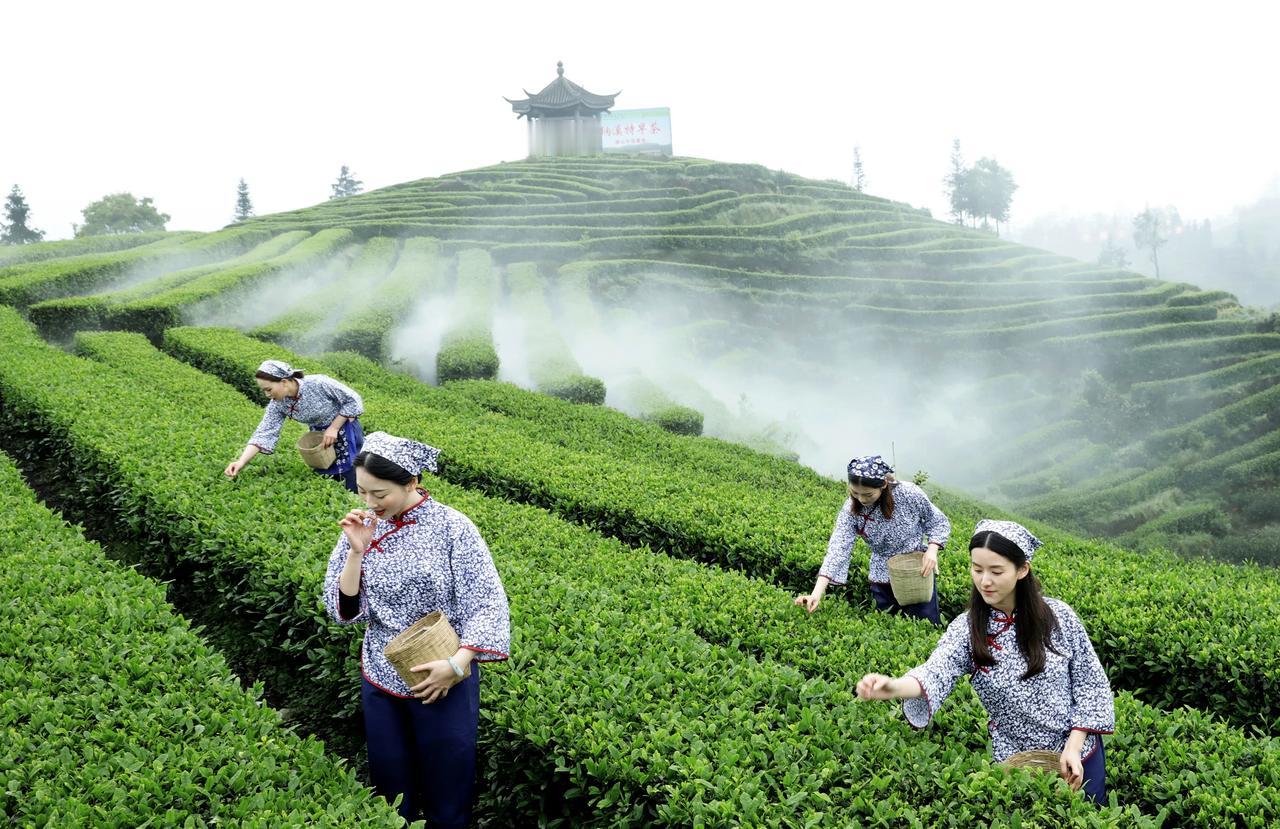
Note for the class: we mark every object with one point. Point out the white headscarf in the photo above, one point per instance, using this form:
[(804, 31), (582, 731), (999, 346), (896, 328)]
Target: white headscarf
[(278, 369), (409, 455), (1011, 530)]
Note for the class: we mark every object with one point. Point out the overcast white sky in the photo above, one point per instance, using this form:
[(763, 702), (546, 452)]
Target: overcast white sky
[(1094, 106)]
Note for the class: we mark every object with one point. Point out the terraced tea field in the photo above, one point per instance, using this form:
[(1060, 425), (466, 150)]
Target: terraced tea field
[(659, 673)]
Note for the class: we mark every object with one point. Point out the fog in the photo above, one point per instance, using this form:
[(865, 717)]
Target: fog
[(825, 400), (416, 341), (1237, 251), (262, 302)]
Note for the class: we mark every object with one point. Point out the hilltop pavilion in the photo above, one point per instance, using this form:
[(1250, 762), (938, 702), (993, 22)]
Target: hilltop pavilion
[(564, 118)]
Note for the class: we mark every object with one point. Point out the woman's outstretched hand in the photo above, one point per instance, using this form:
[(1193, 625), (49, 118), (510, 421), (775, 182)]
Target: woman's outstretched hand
[(808, 601), (876, 686), (1071, 769)]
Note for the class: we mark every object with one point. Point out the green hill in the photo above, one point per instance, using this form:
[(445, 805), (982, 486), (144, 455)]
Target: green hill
[(794, 315)]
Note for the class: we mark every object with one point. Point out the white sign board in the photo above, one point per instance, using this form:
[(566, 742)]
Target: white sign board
[(636, 131)]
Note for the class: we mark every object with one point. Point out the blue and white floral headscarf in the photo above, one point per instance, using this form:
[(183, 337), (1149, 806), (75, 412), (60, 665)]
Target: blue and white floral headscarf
[(409, 455), (871, 466), (278, 369), (1013, 531)]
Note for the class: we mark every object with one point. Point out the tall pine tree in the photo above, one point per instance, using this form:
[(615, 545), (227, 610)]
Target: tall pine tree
[(859, 177), (244, 207), (14, 230), (955, 182), (347, 184)]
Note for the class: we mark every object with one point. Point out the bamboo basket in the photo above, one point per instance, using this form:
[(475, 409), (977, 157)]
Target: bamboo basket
[(905, 579), (313, 454), (1034, 760), (426, 640)]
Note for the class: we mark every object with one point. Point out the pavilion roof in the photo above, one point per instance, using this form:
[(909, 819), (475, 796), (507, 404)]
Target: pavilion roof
[(560, 97)]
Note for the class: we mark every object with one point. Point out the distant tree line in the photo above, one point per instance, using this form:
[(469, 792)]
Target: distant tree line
[(1239, 253), (125, 213)]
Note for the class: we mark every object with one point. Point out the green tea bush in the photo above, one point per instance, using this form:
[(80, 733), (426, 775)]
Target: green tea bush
[(153, 314), (63, 248), (467, 355), (309, 327), (679, 420), (551, 364), (116, 714), (60, 318), (27, 284), (713, 728), (420, 271), (627, 480)]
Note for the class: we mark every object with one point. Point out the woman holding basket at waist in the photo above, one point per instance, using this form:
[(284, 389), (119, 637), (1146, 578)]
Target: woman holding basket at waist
[(892, 517), (318, 401), (403, 558), (1027, 657)]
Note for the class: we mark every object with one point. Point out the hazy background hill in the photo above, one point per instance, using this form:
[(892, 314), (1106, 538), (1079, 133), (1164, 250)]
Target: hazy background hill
[(799, 316)]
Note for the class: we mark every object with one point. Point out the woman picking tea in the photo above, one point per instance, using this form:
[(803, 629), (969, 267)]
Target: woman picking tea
[(405, 557), (1028, 658), (892, 517), (318, 401)]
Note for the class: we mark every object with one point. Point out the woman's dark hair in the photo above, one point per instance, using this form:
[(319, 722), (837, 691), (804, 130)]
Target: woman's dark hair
[(380, 467), (885, 501), (1036, 622), (297, 375)]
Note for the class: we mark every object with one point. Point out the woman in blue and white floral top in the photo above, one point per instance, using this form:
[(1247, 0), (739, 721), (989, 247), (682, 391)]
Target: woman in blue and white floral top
[(407, 556), (318, 401), (892, 517), (1028, 659)]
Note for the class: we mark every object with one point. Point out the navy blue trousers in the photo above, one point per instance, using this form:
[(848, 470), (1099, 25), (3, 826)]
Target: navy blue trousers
[(425, 752), (1095, 776), (882, 594)]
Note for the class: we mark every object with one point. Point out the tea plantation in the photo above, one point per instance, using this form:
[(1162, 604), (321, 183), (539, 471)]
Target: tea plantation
[(659, 674)]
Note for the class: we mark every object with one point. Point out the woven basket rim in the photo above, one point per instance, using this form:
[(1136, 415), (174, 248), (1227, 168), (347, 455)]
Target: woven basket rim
[(310, 439), (317, 456), (905, 560), (1037, 759)]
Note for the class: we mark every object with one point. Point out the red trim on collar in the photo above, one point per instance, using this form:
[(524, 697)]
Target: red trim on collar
[(296, 400), (1008, 621), (426, 496), (398, 524)]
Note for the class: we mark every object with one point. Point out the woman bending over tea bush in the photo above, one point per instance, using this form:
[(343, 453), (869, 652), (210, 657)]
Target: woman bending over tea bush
[(892, 517), (1028, 659), (318, 401)]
